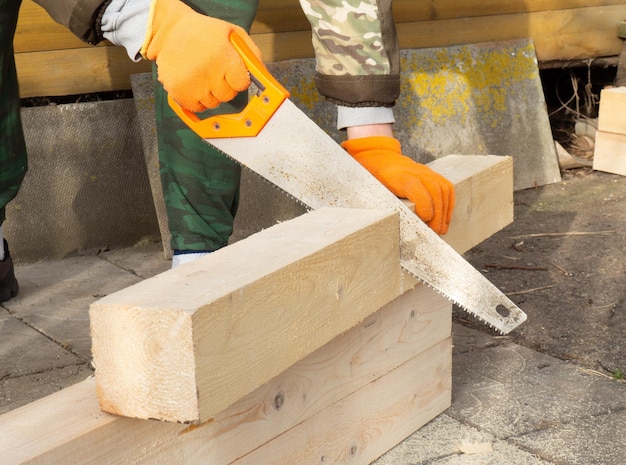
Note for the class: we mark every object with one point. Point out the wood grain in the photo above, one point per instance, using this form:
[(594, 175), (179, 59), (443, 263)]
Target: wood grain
[(561, 30), (69, 427), (187, 343)]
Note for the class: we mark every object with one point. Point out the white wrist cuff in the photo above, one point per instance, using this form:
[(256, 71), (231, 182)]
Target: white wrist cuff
[(360, 116)]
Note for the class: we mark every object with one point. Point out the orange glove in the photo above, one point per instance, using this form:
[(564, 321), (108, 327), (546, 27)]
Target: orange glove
[(432, 194), (197, 64)]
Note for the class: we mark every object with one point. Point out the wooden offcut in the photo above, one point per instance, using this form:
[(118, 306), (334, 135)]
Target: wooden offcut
[(612, 110), (609, 152), (185, 344)]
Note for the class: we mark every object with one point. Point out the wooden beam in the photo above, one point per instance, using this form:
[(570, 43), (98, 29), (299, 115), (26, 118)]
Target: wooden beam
[(186, 344), (371, 421), (557, 35), (398, 359), (483, 187), (560, 29), (397, 348)]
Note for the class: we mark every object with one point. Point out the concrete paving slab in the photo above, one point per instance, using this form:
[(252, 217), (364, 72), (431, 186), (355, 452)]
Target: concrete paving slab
[(597, 440), (55, 296), (445, 441), (18, 391), (24, 351), (452, 102), (548, 407), (143, 260), (31, 365)]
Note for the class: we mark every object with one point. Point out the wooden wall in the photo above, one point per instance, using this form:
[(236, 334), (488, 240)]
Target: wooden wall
[(52, 62)]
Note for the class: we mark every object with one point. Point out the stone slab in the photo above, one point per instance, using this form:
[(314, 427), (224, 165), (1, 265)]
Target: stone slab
[(480, 99), (17, 357), (54, 297), (552, 408), (445, 441)]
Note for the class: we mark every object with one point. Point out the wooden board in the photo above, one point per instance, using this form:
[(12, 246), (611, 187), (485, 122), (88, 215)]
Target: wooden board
[(609, 153), (560, 30), (402, 347), (612, 111), (187, 343), (369, 422)]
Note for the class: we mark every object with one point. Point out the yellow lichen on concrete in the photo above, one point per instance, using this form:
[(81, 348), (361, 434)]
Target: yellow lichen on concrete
[(457, 82)]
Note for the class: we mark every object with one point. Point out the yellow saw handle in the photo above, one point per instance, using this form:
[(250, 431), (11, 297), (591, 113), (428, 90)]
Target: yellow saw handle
[(249, 122)]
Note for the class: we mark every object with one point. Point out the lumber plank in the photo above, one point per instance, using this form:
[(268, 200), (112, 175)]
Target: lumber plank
[(69, 427), (76, 71), (370, 421), (483, 186), (611, 114), (185, 344), (557, 35), (609, 153), (560, 29), (37, 32)]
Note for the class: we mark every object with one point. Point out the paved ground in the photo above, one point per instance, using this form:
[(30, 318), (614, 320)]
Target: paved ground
[(513, 402)]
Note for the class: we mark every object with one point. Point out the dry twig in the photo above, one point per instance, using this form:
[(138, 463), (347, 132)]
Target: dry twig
[(498, 266), (570, 233), (528, 291)]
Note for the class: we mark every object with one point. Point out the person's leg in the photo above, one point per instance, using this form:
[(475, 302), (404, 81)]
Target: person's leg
[(12, 146), (200, 184)]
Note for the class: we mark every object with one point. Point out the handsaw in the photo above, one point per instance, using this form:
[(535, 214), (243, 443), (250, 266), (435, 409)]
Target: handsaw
[(276, 140)]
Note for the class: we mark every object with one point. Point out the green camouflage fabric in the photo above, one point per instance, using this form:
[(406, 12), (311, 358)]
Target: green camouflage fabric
[(348, 36), (200, 184), (13, 163)]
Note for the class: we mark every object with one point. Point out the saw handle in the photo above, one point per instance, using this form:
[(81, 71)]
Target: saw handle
[(261, 106)]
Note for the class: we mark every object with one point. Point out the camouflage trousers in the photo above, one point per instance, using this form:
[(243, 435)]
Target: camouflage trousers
[(13, 162), (200, 184)]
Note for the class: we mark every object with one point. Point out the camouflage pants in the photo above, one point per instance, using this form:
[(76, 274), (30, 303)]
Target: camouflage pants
[(200, 184), (13, 163)]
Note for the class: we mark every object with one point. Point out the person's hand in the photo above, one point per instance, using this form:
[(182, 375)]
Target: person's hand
[(432, 194), (197, 64)]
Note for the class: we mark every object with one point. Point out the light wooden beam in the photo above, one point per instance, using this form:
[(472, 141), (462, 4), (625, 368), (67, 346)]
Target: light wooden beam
[(186, 344), (404, 347), (483, 186), (49, 62), (397, 359)]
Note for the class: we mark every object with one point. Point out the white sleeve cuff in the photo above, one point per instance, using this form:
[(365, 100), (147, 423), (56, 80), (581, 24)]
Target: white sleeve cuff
[(125, 23), (360, 116)]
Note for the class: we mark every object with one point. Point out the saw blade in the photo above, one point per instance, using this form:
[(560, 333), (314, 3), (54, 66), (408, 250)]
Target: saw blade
[(297, 156)]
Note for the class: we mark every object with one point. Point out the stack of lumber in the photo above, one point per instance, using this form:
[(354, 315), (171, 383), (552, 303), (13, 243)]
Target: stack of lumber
[(303, 343), (610, 147)]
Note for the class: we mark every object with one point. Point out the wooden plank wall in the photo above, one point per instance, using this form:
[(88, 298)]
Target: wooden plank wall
[(52, 62)]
